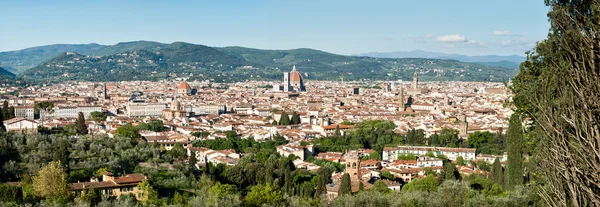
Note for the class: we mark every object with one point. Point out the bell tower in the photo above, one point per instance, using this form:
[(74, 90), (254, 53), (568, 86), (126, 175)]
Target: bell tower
[(464, 127), (353, 164), (401, 103), (415, 83)]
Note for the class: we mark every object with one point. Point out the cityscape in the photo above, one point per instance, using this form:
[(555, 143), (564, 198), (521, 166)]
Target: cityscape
[(144, 123)]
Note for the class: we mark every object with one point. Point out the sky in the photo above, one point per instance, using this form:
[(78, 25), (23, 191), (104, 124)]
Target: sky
[(470, 27)]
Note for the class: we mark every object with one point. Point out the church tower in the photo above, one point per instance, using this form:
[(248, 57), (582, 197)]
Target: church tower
[(401, 103), (105, 92), (353, 164), (463, 132), (415, 83)]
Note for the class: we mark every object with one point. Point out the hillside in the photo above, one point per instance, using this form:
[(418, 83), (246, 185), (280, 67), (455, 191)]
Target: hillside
[(22, 60), (322, 65), (491, 60), (144, 60), (8, 78), (158, 62)]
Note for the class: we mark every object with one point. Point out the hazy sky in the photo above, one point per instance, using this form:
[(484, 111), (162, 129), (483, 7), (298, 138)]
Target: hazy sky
[(472, 27)]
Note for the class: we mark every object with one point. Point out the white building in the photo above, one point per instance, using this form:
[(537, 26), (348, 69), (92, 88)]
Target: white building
[(294, 149), (206, 109), (26, 112), (21, 125), (391, 153), (143, 109), (73, 112)]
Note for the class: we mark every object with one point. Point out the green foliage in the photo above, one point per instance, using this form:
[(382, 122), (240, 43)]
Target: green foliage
[(409, 156), (154, 125), (242, 145), (387, 175), (430, 154), (460, 161), (98, 116), (381, 187), (323, 176), (514, 164), (345, 187), (2, 128), (497, 173), (428, 184), (200, 134), (91, 197), (260, 195), (375, 155), (450, 172), (129, 131), (447, 138), (285, 119), (10, 193), (487, 143), (51, 181), (337, 132), (295, 118), (178, 151), (415, 137), (82, 128), (329, 165), (373, 134)]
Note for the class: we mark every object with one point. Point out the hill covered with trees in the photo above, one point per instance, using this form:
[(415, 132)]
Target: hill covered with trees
[(144, 60), (21, 60)]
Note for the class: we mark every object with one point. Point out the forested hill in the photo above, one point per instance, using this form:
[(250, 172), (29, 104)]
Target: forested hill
[(144, 60), (8, 78), (22, 60), (177, 59)]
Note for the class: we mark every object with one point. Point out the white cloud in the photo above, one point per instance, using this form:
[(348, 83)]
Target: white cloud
[(506, 33), (457, 40), (451, 38)]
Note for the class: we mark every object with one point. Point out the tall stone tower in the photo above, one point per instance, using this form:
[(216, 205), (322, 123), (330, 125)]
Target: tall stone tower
[(286, 82), (353, 164), (105, 92), (463, 132), (401, 102), (415, 83)]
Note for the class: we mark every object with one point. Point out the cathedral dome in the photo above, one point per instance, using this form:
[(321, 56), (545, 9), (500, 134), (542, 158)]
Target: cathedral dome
[(184, 86), (175, 105), (295, 76)]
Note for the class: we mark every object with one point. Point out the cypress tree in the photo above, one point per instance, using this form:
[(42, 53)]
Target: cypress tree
[(5, 110), (80, 124), (2, 121), (514, 164), (361, 187), (11, 112), (337, 130), (287, 185), (450, 171), (345, 185), (193, 159), (285, 119), (497, 174), (295, 118), (322, 181)]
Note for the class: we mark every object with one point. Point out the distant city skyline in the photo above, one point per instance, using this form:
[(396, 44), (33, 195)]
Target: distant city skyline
[(343, 27)]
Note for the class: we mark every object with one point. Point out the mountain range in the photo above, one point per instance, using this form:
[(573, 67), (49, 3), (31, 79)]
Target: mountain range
[(511, 61), (146, 60)]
